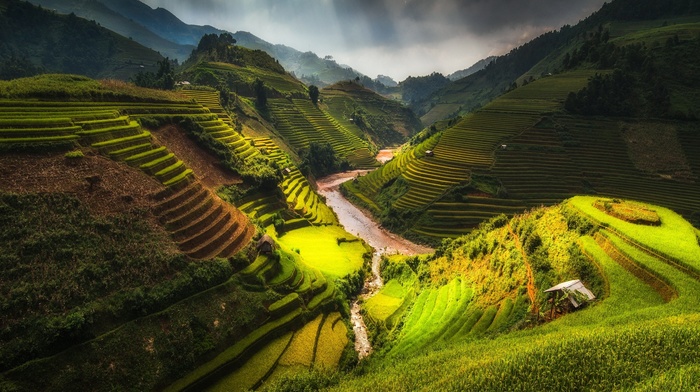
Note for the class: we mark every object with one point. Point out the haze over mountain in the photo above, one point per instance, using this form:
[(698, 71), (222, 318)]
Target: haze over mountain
[(398, 39)]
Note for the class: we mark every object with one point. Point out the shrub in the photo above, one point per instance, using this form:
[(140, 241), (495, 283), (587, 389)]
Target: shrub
[(77, 154)]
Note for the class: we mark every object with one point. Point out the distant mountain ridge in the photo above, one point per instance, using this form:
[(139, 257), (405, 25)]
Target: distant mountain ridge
[(107, 15), (478, 66), (38, 40), (164, 32)]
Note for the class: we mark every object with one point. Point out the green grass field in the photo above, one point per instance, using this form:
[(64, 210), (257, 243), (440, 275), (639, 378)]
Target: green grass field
[(319, 248), (630, 338)]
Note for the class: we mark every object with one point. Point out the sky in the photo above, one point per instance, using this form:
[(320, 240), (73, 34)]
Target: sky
[(398, 38)]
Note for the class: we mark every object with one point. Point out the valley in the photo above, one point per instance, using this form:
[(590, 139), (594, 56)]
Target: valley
[(220, 223)]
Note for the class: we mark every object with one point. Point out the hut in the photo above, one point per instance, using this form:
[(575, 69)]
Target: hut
[(574, 290), (266, 245), (429, 153)]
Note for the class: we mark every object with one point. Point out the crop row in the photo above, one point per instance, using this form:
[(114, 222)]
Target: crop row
[(300, 122)]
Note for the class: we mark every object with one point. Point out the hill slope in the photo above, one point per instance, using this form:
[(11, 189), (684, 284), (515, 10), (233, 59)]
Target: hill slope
[(545, 54), (546, 140), (130, 25), (37, 40), (142, 260)]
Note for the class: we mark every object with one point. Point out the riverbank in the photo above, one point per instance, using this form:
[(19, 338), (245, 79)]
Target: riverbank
[(361, 224)]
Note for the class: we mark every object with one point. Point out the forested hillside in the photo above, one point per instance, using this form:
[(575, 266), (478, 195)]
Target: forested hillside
[(617, 118), (36, 40), (544, 55)]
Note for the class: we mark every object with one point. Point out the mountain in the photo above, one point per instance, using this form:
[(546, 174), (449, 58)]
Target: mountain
[(306, 66), (541, 56), (481, 64), (162, 31), (37, 40), (161, 22), (607, 92), (109, 15)]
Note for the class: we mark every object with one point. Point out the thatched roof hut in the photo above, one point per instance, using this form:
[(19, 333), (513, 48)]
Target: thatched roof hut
[(266, 244), (574, 287)]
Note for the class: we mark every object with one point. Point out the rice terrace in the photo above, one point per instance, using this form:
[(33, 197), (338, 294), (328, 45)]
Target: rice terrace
[(183, 208)]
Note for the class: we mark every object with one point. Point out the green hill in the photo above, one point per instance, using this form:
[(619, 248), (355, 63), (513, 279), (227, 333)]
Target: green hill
[(618, 122), (545, 55), (37, 40), (385, 121), (149, 278), (481, 319), (284, 103)]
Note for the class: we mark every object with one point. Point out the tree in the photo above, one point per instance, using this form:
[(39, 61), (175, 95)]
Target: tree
[(313, 94), (164, 79), (261, 94)]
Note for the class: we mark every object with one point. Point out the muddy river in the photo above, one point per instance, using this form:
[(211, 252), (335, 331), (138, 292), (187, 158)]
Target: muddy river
[(361, 224)]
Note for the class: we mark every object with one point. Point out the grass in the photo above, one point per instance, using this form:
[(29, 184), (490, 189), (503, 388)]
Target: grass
[(332, 340), (675, 237), (630, 339), (319, 248), (301, 349), (254, 369)]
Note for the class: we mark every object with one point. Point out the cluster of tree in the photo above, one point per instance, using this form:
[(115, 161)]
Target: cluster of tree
[(18, 67), (222, 48), (320, 160), (313, 94), (164, 79), (415, 89), (647, 9), (638, 86), (218, 47)]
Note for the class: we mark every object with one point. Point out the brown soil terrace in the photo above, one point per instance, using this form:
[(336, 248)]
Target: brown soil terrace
[(120, 187), (204, 164)]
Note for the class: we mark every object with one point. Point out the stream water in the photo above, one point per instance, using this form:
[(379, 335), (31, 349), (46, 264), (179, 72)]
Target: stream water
[(361, 224)]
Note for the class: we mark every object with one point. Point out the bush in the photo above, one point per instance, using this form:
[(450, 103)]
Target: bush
[(77, 154)]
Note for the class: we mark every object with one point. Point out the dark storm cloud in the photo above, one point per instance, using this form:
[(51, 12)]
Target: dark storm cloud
[(394, 37)]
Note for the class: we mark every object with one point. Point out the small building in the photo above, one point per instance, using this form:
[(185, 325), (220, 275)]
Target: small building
[(504, 146), (572, 289), (286, 171), (429, 153), (266, 245)]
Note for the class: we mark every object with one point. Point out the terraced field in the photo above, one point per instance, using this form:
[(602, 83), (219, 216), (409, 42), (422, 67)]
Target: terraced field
[(538, 156), (301, 332), (201, 224), (301, 123), (220, 125), (295, 193), (245, 76), (210, 100), (317, 345), (651, 285), (447, 314), (471, 143)]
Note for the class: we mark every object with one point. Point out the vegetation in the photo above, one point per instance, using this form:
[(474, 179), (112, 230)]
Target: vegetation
[(164, 79), (36, 40)]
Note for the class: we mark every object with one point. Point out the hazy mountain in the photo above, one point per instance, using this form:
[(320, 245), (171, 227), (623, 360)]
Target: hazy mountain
[(162, 31), (107, 16), (161, 21), (481, 64), (36, 40), (306, 66)]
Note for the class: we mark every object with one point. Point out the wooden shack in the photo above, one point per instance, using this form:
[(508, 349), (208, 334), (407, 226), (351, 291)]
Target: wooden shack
[(574, 290), (266, 245)]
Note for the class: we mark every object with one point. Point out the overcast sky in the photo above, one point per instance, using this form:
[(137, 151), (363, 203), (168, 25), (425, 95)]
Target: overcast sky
[(397, 38)]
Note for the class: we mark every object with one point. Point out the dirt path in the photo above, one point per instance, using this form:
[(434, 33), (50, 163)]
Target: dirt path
[(361, 224), (531, 289)]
